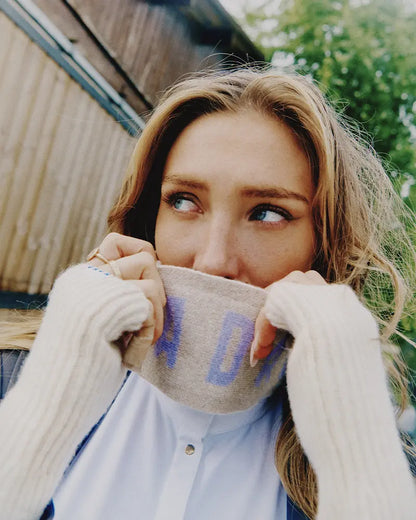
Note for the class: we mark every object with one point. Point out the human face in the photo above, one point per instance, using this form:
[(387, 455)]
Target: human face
[(236, 200)]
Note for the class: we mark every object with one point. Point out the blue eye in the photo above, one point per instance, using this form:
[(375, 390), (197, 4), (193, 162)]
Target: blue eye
[(181, 203), (267, 213)]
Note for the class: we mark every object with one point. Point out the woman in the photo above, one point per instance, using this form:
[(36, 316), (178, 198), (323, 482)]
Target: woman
[(247, 176)]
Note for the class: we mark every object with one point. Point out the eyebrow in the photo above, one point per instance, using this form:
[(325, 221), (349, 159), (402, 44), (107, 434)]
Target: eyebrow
[(178, 179), (275, 193), (247, 191)]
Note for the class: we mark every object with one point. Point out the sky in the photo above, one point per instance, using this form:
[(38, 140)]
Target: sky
[(234, 7)]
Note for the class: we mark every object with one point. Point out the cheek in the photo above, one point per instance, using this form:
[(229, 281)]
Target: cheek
[(277, 259), (171, 244), (162, 234)]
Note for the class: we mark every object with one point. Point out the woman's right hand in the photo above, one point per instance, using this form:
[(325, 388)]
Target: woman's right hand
[(136, 261)]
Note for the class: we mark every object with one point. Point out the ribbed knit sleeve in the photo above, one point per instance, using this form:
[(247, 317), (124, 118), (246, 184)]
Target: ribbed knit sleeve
[(68, 381), (340, 402)]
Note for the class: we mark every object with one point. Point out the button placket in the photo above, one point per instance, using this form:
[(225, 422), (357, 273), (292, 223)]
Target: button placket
[(178, 486)]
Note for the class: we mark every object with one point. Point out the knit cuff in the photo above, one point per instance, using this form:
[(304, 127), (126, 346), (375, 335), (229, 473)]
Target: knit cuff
[(338, 393), (69, 379), (95, 300)]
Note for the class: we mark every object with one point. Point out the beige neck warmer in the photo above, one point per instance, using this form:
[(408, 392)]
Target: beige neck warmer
[(202, 357)]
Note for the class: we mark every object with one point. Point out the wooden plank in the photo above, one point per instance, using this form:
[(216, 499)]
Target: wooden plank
[(116, 171), (48, 261), (134, 43), (85, 153), (6, 37), (91, 169), (12, 115), (20, 149), (57, 192), (122, 14), (48, 203), (98, 212), (34, 157), (87, 236)]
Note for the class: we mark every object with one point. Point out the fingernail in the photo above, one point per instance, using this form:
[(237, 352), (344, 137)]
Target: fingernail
[(253, 362)]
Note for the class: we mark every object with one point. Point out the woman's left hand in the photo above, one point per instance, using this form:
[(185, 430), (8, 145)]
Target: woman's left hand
[(264, 331)]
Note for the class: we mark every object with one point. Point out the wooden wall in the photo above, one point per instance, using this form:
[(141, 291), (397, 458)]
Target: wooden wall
[(61, 163)]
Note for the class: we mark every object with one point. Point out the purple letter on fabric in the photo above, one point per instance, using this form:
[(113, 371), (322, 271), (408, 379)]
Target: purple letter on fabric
[(171, 335), (270, 361), (231, 321)]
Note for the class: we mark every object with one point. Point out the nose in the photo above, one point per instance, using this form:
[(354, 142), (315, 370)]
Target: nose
[(217, 252)]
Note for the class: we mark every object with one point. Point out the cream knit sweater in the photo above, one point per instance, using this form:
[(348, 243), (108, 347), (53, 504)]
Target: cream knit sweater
[(336, 384)]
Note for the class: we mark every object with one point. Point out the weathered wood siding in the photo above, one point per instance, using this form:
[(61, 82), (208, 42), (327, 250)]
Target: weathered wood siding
[(153, 43), (61, 162)]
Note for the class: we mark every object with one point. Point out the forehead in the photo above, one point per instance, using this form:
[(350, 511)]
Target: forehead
[(247, 147)]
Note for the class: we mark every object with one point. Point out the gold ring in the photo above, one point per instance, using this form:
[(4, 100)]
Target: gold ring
[(95, 253)]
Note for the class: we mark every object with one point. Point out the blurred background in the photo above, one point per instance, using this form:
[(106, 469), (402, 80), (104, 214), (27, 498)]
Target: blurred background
[(79, 78)]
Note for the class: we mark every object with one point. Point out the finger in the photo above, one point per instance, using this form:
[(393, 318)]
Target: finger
[(137, 349), (309, 278), (151, 291), (264, 335), (140, 266), (159, 319), (155, 318), (315, 278), (115, 246)]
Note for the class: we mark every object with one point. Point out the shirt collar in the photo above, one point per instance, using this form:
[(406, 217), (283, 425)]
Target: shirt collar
[(203, 424)]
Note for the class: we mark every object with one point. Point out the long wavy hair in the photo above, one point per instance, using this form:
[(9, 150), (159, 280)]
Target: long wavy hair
[(360, 222)]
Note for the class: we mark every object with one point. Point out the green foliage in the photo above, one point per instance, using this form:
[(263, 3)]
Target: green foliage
[(363, 54)]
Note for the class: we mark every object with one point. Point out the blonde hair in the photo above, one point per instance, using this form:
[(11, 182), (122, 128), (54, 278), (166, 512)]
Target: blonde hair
[(360, 221)]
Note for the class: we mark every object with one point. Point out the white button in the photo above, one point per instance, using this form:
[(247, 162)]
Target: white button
[(190, 449)]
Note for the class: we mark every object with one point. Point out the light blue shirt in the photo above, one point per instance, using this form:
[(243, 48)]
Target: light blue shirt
[(155, 459)]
